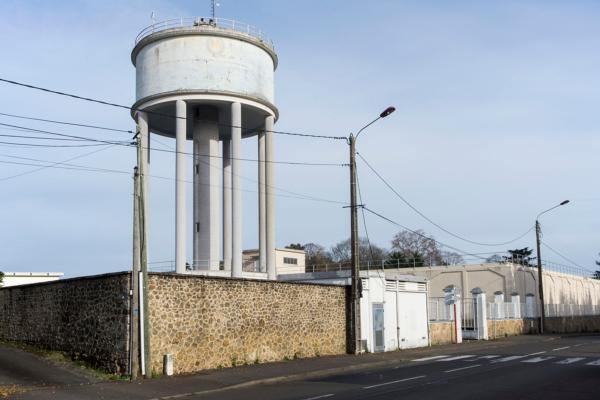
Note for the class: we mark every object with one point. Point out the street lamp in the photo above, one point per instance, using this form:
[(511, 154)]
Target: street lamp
[(538, 232), (355, 272)]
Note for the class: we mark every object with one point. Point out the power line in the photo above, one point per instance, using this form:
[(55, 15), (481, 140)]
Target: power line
[(107, 103), (77, 167), (67, 123), (56, 163), (51, 145), (128, 144), (433, 222), (422, 235), (567, 259)]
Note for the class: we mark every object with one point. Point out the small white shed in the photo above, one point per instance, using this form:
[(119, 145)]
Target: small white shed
[(393, 307)]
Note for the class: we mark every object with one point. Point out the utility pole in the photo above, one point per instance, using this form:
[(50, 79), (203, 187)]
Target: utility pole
[(538, 232), (354, 249), (144, 323), (538, 241), (134, 347), (355, 273)]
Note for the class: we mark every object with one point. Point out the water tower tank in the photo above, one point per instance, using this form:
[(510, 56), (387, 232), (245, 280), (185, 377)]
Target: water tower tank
[(211, 80)]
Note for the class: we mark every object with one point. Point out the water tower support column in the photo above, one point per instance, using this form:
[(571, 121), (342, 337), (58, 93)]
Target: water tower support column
[(206, 189), (262, 212), (180, 223), (236, 215), (227, 204), (270, 198)]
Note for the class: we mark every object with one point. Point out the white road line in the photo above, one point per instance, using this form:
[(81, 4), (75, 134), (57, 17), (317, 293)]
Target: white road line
[(460, 369), (509, 358), (320, 397), (457, 357), (561, 348), (534, 354), (487, 357), (537, 359), (392, 382), (577, 345), (597, 362), (429, 358), (571, 360)]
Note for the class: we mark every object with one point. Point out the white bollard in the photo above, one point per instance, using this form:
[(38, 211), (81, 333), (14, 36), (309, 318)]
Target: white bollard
[(168, 364)]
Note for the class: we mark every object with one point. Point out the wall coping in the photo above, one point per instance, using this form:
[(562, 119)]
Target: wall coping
[(227, 278), (75, 279)]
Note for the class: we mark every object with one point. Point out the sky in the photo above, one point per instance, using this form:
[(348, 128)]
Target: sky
[(496, 120)]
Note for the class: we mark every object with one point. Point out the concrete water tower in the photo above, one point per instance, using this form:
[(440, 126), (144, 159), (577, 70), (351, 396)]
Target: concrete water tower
[(210, 81)]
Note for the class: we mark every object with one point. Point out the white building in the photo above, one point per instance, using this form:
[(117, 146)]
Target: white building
[(393, 307), (26, 278), (287, 261)]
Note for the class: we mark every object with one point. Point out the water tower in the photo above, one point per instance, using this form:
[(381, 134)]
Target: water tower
[(210, 81)]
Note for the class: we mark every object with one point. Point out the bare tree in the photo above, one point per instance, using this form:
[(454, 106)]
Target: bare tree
[(316, 254), (417, 245), (452, 258), (342, 252)]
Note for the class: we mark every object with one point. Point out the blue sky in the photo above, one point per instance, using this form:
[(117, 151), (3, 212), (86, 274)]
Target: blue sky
[(496, 120)]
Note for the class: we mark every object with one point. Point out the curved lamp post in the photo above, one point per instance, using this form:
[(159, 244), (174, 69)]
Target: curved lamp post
[(538, 232), (355, 272)]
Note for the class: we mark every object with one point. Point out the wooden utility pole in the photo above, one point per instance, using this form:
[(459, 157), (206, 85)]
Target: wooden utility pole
[(355, 273), (538, 231), (134, 349)]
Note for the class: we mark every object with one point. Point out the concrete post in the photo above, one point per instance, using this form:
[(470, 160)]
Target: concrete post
[(270, 198), (262, 216), (480, 314), (180, 211), (515, 300), (236, 215), (227, 204), (206, 189), (499, 305)]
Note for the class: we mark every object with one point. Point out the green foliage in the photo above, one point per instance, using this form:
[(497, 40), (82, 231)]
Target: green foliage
[(1, 278), (295, 246), (520, 256)]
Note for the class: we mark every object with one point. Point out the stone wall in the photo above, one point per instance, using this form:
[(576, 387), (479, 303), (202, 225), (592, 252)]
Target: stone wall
[(509, 327), (86, 317), (209, 322), (441, 332)]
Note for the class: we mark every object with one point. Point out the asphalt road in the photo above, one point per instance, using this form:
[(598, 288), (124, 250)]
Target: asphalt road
[(522, 367), (553, 368)]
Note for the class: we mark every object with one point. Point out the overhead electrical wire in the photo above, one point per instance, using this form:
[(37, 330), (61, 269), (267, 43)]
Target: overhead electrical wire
[(129, 144), (422, 235), (433, 222), (567, 259), (67, 123), (51, 163), (107, 103), (66, 165)]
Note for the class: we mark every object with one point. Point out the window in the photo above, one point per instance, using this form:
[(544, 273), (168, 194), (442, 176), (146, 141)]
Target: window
[(290, 260)]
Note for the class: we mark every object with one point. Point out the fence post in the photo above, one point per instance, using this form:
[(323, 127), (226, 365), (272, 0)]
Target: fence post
[(480, 313), (515, 299)]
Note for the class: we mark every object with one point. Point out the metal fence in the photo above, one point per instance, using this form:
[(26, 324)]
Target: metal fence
[(497, 311), (205, 22), (438, 310), (571, 310)]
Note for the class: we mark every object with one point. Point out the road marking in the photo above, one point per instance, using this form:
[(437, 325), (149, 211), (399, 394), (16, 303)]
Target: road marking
[(429, 358), (457, 357), (571, 360), (597, 362), (320, 397), (392, 382), (534, 354), (561, 348), (537, 359), (577, 345), (486, 357), (460, 369), (506, 359)]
